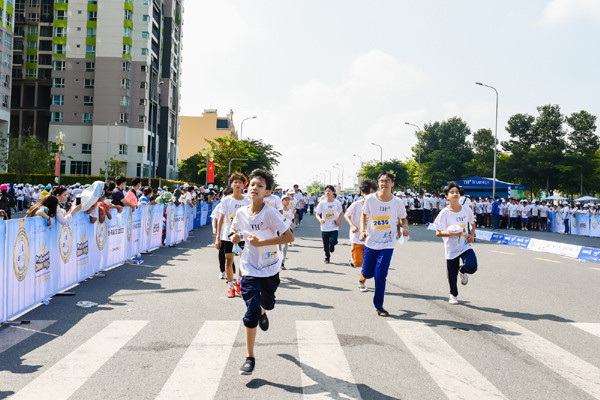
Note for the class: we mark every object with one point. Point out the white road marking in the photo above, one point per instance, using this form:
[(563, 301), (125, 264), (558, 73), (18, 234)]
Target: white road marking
[(62, 379), (593, 328), (13, 335), (552, 261), (453, 374), (577, 371), (502, 252), (198, 373), (325, 370)]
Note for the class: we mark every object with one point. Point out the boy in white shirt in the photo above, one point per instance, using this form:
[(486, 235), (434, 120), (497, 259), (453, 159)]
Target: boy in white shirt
[(329, 213), (352, 216), (288, 218), (382, 213), (260, 261)]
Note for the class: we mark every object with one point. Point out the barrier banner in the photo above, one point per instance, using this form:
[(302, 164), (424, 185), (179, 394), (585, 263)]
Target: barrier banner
[(179, 224), (583, 221), (158, 212), (589, 254), (573, 220), (98, 242), (558, 223), (3, 269), (510, 240), (22, 252), (198, 214), (595, 225), (205, 217), (170, 228), (82, 237), (116, 241), (190, 213), (134, 232), (146, 228), (60, 242)]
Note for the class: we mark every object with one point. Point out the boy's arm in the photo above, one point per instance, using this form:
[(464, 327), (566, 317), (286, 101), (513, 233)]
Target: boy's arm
[(286, 237)]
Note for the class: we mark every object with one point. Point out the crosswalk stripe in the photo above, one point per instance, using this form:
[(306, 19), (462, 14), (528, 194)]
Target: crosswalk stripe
[(325, 370), (62, 379), (16, 334), (453, 374), (577, 371), (198, 373), (593, 328)]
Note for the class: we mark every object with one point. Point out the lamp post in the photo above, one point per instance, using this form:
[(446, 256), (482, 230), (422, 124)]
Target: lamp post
[(61, 146), (328, 171), (242, 126), (342, 167), (323, 173), (418, 144), (107, 148), (229, 171), (380, 151), (360, 158), (495, 138), (338, 170)]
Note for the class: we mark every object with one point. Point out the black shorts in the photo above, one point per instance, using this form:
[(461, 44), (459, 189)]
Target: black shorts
[(258, 292), (228, 246)]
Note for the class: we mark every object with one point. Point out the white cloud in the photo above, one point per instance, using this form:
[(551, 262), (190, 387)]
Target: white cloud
[(560, 11)]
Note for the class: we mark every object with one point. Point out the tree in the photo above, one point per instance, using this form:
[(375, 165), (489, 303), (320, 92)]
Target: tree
[(316, 188), (30, 157), (115, 167), (483, 159), (193, 169), (372, 169), (445, 152)]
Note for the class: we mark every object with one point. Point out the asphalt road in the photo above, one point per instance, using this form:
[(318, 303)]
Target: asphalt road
[(527, 327)]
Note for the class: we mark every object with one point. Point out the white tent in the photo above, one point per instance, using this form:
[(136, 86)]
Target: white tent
[(555, 197), (586, 198)]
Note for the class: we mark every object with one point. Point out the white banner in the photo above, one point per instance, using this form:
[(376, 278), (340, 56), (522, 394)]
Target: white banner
[(116, 238), (20, 265), (158, 226), (595, 225), (2, 270)]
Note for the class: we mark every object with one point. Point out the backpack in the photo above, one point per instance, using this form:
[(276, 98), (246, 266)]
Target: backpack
[(417, 203)]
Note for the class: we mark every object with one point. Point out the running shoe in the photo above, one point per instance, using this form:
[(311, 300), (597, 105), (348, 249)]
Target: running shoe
[(464, 278), (362, 287), (382, 312), (230, 292), (452, 299), (222, 275), (238, 288), (263, 322), (326, 261), (248, 366), (283, 266), (331, 248)]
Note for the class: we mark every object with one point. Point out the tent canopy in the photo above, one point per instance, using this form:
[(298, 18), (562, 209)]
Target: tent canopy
[(555, 197), (478, 182), (586, 198)]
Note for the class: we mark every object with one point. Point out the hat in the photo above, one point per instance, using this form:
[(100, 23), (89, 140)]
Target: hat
[(48, 187), (291, 191), (285, 196), (3, 187)]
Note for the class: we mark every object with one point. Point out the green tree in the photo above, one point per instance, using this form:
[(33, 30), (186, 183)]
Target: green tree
[(483, 149), (115, 167), (30, 157), (193, 169), (316, 188), (445, 153), (372, 169)]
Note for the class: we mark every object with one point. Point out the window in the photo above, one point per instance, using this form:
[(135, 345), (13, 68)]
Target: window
[(60, 31), (81, 167), (56, 117), (142, 102), (144, 52), (142, 85), (34, 3), (60, 14), (144, 68), (32, 44), (124, 101), (31, 73), (87, 118), (92, 1), (126, 49), (58, 66), (124, 118), (140, 149), (141, 118), (90, 50), (7, 58), (58, 100), (32, 59), (45, 45), (60, 49), (144, 35), (146, 18), (88, 100), (90, 67), (128, 14), (5, 80), (126, 66), (5, 100), (46, 31), (8, 40), (34, 17), (32, 30), (89, 84), (91, 32), (92, 15), (58, 83), (123, 149), (138, 169), (45, 59), (86, 148), (127, 31), (125, 83)]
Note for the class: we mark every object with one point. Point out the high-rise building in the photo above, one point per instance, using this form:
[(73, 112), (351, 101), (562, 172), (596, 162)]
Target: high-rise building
[(6, 55), (105, 73), (195, 131)]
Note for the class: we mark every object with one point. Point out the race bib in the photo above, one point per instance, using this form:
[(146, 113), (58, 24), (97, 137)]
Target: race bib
[(268, 256)]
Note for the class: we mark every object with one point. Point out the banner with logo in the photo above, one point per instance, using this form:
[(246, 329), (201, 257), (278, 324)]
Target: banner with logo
[(574, 225), (583, 224), (21, 265), (557, 224), (198, 215), (134, 233), (595, 225), (205, 214), (83, 238), (2, 269), (190, 213), (180, 227), (158, 212), (170, 237), (116, 242), (61, 241)]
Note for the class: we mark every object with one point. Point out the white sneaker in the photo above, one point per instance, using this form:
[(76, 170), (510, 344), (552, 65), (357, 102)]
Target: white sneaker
[(453, 299), (464, 278), (362, 287), (222, 275)]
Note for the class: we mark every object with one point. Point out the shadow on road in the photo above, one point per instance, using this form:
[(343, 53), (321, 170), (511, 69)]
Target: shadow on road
[(293, 284), (304, 304)]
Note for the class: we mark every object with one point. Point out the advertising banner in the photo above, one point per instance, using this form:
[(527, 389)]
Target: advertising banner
[(170, 237), (83, 237), (594, 225), (146, 227), (204, 218), (158, 225), (589, 254), (116, 241), (573, 220), (198, 214), (134, 233), (3, 269), (64, 260), (97, 243), (179, 224)]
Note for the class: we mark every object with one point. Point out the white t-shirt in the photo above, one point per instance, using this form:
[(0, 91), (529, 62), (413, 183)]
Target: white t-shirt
[(354, 212), (488, 207), (311, 200), (229, 207), (383, 219), (299, 198), (293, 202), (274, 202), (455, 245), (534, 210), (288, 217), (217, 210), (543, 211), (330, 212), (513, 210), (565, 212), (426, 203), (526, 211), (261, 261)]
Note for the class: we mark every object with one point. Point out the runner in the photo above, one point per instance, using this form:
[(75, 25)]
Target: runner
[(299, 205), (329, 214), (260, 262), (382, 212), (456, 225), (353, 215), (288, 218), (229, 206)]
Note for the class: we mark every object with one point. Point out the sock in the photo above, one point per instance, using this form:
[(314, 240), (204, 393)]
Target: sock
[(250, 358), (231, 284), (362, 278)]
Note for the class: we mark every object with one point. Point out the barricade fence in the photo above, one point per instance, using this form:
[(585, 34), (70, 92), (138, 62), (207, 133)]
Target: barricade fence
[(38, 262), (579, 224)]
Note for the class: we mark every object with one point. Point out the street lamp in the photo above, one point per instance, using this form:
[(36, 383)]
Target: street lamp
[(328, 171), (107, 147), (323, 173), (418, 144), (360, 158), (242, 126), (335, 166), (234, 159), (495, 137), (342, 167), (380, 151)]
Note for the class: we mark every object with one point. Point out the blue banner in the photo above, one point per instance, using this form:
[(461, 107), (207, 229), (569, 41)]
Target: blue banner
[(2, 270), (589, 254)]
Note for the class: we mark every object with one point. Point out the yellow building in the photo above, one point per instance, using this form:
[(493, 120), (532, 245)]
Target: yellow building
[(193, 131)]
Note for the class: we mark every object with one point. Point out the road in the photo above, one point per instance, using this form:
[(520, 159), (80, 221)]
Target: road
[(527, 327)]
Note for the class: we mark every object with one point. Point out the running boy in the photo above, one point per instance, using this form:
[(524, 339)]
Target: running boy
[(260, 262), (381, 215), (456, 225), (329, 214), (353, 215), (288, 218)]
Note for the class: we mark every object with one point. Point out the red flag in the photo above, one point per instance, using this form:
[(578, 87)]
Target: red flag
[(57, 172), (211, 172)]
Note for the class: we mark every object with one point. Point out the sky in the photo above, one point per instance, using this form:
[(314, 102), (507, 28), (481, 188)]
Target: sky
[(328, 78)]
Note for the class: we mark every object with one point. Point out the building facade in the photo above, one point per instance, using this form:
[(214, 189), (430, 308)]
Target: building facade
[(103, 82), (6, 55), (194, 131)]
